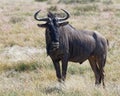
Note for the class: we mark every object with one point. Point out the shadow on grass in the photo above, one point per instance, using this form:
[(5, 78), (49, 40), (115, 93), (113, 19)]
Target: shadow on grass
[(56, 88)]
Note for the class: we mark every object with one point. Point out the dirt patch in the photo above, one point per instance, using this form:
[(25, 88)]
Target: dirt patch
[(18, 53)]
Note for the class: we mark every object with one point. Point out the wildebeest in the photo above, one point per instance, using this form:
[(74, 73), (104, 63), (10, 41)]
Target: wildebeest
[(65, 43)]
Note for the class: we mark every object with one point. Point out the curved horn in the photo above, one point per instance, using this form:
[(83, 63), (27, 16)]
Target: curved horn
[(39, 19), (66, 17)]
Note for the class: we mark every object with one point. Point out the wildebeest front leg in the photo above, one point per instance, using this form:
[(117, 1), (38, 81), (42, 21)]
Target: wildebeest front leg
[(64, 68), (57, 69)]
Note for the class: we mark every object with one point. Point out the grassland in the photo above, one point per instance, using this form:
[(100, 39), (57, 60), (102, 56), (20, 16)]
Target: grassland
[(34, 75)]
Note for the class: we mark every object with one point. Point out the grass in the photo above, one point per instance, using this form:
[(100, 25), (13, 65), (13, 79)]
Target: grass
[(78, 1), (36, 76)]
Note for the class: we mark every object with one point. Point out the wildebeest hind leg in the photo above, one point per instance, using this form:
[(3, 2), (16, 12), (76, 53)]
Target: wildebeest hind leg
[(101, 63), (95, 69)]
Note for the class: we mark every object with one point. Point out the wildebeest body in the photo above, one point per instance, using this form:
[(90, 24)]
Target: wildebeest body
[(77, 45), (64, 43)]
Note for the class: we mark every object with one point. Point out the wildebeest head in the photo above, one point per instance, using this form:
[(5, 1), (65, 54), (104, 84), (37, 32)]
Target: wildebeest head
[(52, 24)]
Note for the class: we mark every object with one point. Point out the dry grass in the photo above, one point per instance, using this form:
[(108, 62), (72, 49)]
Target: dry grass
[(34, 75)]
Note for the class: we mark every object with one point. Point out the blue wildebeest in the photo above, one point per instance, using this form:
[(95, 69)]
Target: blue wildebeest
[(65, 43)]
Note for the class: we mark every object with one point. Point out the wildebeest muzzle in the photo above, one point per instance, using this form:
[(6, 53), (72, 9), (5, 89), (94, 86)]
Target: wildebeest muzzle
[(54, 46)]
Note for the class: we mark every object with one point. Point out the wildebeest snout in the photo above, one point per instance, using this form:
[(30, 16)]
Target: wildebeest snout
[(54, 46)]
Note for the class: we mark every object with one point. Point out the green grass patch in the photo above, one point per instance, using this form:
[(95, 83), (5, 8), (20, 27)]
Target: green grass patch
[(75, 69), (22, 66), (26, 66)]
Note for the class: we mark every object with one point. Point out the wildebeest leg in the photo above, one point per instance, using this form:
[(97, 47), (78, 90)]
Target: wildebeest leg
[(57, 68), (95, 69), (64, 68), (101, 63)]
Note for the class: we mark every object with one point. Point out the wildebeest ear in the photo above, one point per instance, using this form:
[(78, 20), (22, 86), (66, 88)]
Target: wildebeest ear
[(63, 23), (42, 25)]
